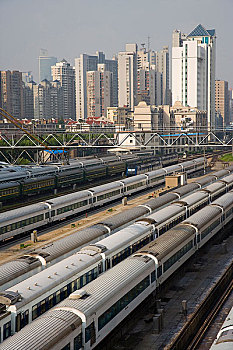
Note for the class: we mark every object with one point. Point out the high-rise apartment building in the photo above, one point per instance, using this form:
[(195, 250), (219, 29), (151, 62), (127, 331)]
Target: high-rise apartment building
[(47, 99), (27, 77), (193, 70), (150, 86), (65, 73), (12, 93), (99, 91), (230, 95), (162, 66), (56, 99), (127, 76), (84, 64), (222, 100), (45, 64), (28, 99)]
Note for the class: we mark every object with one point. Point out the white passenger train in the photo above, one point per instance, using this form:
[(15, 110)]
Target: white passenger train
[(29, 299), (19, 221), (89, 314)]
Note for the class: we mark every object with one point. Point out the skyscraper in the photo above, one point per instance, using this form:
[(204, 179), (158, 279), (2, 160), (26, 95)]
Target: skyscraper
[(162, 66), (84, 64), (12, 93), (99, 91), (127, 77), (65, 73), (222, 100), (193, 70), (45, 64)]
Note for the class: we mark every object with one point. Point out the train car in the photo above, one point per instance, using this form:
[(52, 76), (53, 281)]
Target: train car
[(115, 168), (224, 337), (9, 190), (69, 177), (97, 171), (35, 185), (134, 184), (17, 222), (69, 205)]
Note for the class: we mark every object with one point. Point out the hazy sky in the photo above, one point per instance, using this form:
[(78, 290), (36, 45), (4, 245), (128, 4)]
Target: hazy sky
[(67, 28)]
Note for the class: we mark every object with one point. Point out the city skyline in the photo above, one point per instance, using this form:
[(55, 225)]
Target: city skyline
[(115, 25)]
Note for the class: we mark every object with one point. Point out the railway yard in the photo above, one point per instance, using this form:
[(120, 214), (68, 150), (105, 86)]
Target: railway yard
[(106, 273)]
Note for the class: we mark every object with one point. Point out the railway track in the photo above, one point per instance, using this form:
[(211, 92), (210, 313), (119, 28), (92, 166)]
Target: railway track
[(191, 335)]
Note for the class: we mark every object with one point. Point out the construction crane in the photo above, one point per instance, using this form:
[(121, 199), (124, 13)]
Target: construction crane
[(15, 122)]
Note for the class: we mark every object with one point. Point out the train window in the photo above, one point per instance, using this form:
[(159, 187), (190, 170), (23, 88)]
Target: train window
[(8, 228), (173, 259), (58, 297), (46, 215), (78, 342), (153, 275), (34, 312), (13, 226), (6, 330), (109, 314), (50, 301), (43, 306), (159, 271), (67, 347), (72, 286), (53, 213)]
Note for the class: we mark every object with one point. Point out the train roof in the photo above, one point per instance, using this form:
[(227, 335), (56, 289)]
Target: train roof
[(158, 202), (224, 201), (212, 188), (164, 214), (42, 282), (19, 214), (181, 191), (44, 332), (36, 179), (126, 216), (133, 179), (8, 184), (69, 198), (107, 285), (8, 176), (221, 173), (157, 172), (14, 268), (205, 180), (124, 236), (193, 198), (109, 186), (227, 179), (165, 244), (172, 168), (71, 242), (204, 216)]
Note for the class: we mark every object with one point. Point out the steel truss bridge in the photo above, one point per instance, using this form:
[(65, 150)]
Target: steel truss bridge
[(15, 144)]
